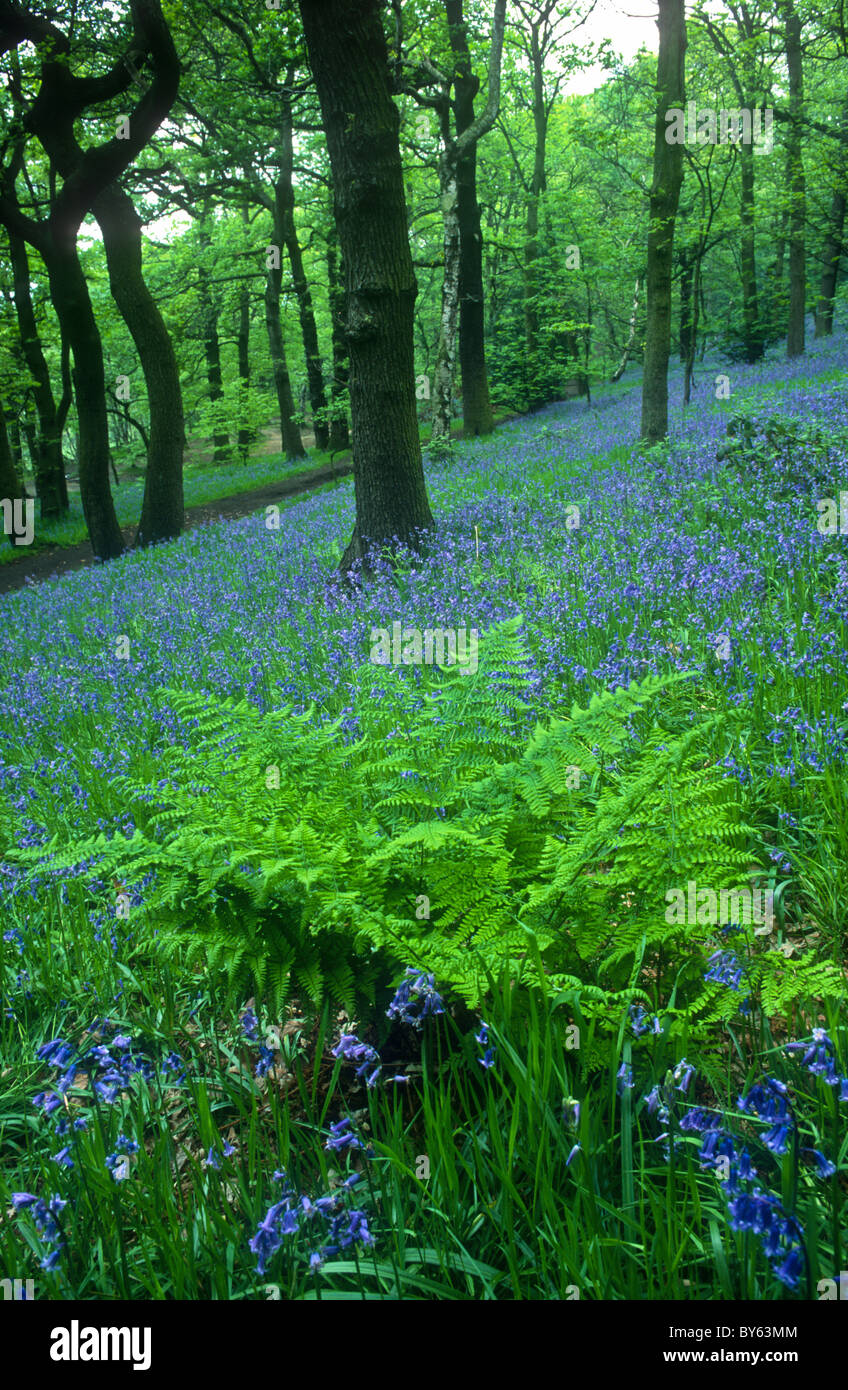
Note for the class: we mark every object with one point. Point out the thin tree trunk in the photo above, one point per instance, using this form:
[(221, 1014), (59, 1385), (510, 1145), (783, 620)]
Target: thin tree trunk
[(339, 432), (48, 463), (284, 195), (162, 508), (831, 256), (292, 444), (446, 352), (212, 353), (245, 433), (687, 274), (631, 336), (538, 187), (11, 486), (754, 338), (797, 191), (69, 292), (692, 339), (349, 60), (665, 196), (477, 417)]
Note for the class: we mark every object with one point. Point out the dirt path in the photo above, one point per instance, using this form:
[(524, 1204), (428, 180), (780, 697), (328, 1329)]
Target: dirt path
[(56, 559)]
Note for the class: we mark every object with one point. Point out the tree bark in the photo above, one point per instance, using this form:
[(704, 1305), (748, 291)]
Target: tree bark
[(477, 417), (797, 191), (339, 432), (48, 463), (832, 252), (538, 186), (754, 338), (10, 483), (284, 195), (245, 433), (443, 375), (631, 336), (162, 508), (292, 444), (349, 60), (212, 353), (72, 303), (664, 199)]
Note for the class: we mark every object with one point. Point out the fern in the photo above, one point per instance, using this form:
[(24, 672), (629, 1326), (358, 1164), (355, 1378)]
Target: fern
[(291, 855)]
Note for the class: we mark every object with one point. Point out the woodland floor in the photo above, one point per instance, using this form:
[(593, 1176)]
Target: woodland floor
[(52, 560)]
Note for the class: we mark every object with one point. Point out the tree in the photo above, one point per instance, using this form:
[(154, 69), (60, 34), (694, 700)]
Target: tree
[(48, 462), (664, 199), (348, 56), (61, 100), (797, 194), (162, 508)]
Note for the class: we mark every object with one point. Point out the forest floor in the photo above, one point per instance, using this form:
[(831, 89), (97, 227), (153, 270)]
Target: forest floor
[(47, 561), (57, 559)]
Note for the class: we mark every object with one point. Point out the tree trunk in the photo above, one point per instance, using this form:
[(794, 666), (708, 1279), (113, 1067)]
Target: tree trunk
[(831, 257), (797, 191), (212, 353), (339, 432), (292, 444), (631, 336), (349, 60), (531, 228), (477, 417), (665, 195), (284, 196), (687, 274), (72, 303), (162, 508), (446, 352), (245, 433), (754, 338), (11, 486), (692, 336), (48, 463)]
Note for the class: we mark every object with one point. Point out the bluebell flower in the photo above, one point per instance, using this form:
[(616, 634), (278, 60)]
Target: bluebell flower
[(572, 1155), (777, 1139), (360, 1055), (652, 1100), (724, 969), (250, 1025), (826, 1169), (682, 1075), (625, 1078), (265, 1063), (57, 1053), (638, 1023), (415, 999), (342, 1137), (791, 1270)]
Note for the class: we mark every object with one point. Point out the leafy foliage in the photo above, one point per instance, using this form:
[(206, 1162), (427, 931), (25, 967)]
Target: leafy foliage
[(296, 855)]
